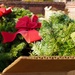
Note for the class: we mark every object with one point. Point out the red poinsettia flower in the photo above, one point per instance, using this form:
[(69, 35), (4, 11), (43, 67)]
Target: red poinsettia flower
[(27, 28), (5, 11), (28, 23)]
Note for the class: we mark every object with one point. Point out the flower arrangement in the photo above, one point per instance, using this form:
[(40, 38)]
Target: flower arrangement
[(17, 27), (26, 27), (23, 34)]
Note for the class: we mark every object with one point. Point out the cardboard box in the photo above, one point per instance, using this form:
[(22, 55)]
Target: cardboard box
[(54, 65)]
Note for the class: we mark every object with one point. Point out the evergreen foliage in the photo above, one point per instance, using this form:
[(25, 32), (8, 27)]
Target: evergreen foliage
[(10, 51), (56, 34)]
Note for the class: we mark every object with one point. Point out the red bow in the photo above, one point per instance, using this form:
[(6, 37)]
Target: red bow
[(26, 27), (5, 11)]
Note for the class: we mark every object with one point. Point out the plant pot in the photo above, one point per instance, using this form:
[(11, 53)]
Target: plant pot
[(42, 65)]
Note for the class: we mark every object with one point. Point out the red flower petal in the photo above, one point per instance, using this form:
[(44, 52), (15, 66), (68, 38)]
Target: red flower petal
[(8, 37), (22, 22), (34, 18), (25, 18), (8, 11), (38, 25), (31, 36), (3, 10), (1, 14), (32, 25)]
